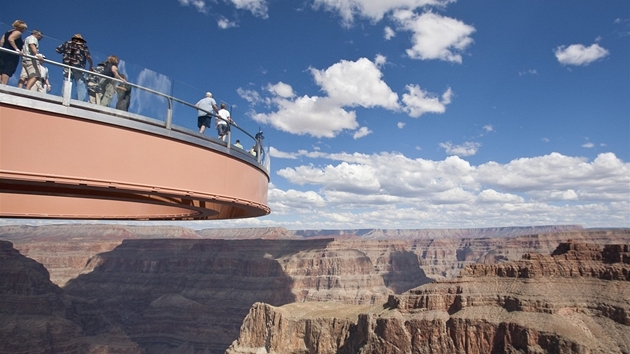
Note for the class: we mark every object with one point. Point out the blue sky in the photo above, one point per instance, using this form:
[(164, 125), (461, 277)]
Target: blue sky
[(392, 114)]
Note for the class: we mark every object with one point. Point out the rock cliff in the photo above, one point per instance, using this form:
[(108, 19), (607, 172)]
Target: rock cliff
[(576, 300), (65, 249), (175, 290), (35, 317)]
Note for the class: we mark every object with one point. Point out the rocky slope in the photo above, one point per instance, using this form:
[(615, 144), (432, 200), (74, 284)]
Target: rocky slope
[(35, 316), (576, 300)]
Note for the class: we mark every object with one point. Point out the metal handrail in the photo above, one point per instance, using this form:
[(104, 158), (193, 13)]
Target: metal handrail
[(66, 97)]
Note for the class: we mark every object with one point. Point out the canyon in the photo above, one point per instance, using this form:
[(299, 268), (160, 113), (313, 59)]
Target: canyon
[(165, 289)]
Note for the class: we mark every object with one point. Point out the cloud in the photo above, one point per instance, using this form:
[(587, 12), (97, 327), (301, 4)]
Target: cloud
[(528, 72), (588, 145), (281, 89), (466, 149), (388, 33), (373, 9), (418, 102), (346, 84), (492, 196), (380, 60), (400, 125), (225, 23), (435, 36), (251, 96), (556, 172), (578, 54), (316, 116), (281, 154), (363, 131), (356, 83), (389, 190), (200, 5), (258, 8)]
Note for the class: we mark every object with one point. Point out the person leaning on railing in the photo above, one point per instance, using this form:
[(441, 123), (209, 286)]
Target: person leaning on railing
[(109, 88), (11, 40), (75, 53), (223, 123)]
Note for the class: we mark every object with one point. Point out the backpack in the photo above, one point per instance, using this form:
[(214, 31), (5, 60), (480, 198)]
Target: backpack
[(95, 83)]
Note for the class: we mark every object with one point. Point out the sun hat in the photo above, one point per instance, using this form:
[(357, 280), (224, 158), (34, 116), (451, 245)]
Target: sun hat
[(79, 37)]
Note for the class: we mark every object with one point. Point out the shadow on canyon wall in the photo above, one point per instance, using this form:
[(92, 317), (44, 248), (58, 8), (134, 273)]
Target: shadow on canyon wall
[(167, 294)]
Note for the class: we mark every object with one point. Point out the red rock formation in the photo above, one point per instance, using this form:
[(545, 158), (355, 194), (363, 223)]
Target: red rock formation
[(184, 294), (576, 300)]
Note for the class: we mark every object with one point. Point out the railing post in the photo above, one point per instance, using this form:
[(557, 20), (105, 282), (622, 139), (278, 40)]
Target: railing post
[(67, 89), (169, 114)]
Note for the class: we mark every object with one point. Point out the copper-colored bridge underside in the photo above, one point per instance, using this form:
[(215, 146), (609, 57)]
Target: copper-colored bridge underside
[(78, 162)]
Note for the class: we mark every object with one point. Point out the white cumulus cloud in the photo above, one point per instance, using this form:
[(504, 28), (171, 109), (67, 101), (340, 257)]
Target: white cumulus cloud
[(390, 190), (346, 84), (356, 83), (363, 131), (578, 54), (435, 36), (418, 102), (373, 9)]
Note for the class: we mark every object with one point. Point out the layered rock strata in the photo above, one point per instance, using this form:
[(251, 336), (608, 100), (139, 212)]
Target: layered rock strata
[(183, 294), (168, 295), (574, 301), (35, 318), (66, 249)]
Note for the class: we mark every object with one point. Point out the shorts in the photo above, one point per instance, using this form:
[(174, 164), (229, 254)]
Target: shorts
[(8, 63), (203, 120), (31, 67), (222, 129)]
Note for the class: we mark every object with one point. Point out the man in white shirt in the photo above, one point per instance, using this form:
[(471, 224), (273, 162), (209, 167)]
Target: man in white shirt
[(31, 66), (222, 124)]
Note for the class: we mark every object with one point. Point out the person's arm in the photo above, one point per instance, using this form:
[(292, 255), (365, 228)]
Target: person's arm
[(33, 49), (116, 74), (89, 59), (48, 87), (12, 37), (216, 109)]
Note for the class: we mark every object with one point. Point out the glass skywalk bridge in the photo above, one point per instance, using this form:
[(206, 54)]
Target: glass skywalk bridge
[(66, 159)]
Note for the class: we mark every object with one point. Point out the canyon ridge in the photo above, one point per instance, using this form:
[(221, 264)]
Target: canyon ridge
[(165, 289)]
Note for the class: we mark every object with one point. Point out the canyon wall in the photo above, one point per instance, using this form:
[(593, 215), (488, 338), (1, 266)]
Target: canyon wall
[(65, 249), (176, 290), (576, 300), (35, 316)]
